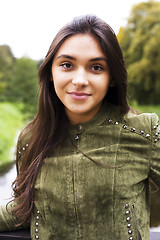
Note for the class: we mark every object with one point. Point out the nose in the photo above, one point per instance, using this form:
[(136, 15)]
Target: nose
[(80, 79)]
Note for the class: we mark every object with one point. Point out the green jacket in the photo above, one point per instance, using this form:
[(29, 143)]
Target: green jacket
[(77, 198)]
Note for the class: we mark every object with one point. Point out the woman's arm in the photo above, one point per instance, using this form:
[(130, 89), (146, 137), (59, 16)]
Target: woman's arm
[(7, 221), (155, 151)]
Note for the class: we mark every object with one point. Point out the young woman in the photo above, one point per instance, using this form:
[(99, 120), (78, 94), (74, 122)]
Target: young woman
[(85, 161)]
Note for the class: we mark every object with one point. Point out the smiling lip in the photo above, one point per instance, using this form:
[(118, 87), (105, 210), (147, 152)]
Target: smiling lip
[(79, 95)]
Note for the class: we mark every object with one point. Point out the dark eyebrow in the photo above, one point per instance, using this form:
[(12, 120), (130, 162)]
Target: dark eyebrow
[(65, 56), (98, 59), (92, 60)]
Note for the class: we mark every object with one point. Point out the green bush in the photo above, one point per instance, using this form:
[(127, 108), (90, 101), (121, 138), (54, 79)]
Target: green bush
[(11, 119)]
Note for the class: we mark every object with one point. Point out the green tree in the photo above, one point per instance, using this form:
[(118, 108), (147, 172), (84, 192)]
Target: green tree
[(7, 61), (23, 86), (140, 41)]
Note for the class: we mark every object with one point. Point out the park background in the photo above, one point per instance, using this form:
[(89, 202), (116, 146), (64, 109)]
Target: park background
[(138, 33)]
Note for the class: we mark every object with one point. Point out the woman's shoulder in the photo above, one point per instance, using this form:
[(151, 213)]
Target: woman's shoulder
[(133, 118), (146, 124), (25, 134), (141, 118)]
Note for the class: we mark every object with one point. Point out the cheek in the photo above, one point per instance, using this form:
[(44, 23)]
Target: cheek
[(58, 82), (102, 85), (58, 88), (60, 79), (103, 91)]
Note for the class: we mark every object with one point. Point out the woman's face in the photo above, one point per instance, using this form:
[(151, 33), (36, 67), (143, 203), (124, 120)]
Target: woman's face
[(81, 77)]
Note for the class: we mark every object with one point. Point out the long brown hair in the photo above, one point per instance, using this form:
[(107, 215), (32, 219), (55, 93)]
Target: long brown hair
[(49, 128)]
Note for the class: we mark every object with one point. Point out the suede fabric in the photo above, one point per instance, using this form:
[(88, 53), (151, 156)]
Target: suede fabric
[(104, 199)]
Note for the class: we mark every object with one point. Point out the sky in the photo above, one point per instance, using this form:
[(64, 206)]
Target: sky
[(29, 26)]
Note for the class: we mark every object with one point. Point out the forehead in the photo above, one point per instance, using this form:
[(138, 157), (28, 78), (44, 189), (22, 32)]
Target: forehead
[(86, 44)]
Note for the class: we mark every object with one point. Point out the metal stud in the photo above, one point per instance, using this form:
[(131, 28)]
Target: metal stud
[(128, 225), (80, 127), (110, 120), (133, 129), (128, 219), (36, 230), (26, 144), (124, 126), (155, 127), (130, 231), (155, 140), (116, 123), (147, 135), (23, 149), (131, 238), (77, 137), (126, 205), (127, 212), (142, 132)]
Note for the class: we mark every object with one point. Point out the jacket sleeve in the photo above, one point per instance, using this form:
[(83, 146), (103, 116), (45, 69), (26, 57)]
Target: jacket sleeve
[(155, 151), (7, 221)]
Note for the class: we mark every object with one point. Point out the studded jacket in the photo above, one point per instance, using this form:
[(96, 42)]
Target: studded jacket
[(97, 188)]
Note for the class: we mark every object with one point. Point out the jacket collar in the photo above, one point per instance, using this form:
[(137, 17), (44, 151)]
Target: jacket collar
[(104, 113)]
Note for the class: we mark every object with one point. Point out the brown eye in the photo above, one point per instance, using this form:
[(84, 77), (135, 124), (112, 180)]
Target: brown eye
[(66, 65), (97, 68)]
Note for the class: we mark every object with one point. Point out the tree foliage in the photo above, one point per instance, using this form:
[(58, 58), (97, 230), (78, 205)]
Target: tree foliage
[(7, 61), (18, 80), (140, 41), (23, 86)]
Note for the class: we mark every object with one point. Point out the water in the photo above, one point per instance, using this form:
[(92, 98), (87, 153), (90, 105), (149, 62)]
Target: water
[(155, 229), (5, 185), (9, 176)]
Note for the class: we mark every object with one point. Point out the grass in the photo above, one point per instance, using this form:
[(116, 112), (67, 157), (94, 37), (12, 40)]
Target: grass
[(11, 119), (147, 108)]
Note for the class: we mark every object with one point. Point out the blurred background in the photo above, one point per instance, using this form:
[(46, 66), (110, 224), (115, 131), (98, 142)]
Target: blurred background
[(26, 30)]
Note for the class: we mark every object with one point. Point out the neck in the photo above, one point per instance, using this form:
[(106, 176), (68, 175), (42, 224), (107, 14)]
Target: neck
[(77, 118)]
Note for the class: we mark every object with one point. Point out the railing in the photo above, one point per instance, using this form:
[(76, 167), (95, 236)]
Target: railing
[(19, 235), (25, 235)]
